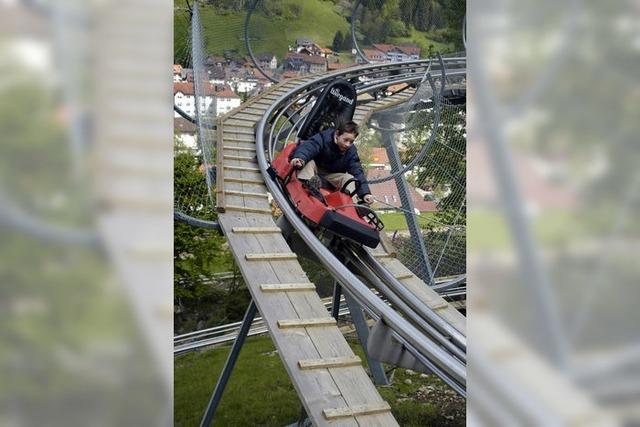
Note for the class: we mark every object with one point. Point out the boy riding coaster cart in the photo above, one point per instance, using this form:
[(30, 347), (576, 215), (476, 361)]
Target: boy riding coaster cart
[(322, 174)]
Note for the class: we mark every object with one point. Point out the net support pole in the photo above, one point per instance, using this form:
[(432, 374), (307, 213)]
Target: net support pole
[(422, 257)]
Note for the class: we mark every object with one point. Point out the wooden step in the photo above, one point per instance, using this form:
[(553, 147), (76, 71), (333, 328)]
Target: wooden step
[(238, 131), (256, 230), (278, 256), (240, 158), (240, 123), (331, 362), (247, 209), (247, 115), (243, 180), (307, 323), (240, 168), (249, 139), (354, 411), (244, 193), (288, 287), (238, 148), (254, 110), (263, 101)]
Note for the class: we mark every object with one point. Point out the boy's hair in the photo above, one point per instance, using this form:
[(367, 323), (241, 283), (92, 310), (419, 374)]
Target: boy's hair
[(348, 127)]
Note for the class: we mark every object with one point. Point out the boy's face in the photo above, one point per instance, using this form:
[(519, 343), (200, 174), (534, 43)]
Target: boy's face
[(345, 140)]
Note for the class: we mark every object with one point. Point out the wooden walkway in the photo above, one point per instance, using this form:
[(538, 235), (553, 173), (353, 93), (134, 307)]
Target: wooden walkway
[(329, 378)]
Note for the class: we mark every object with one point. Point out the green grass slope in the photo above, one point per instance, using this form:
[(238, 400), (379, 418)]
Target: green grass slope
[(315, 19), (260, 393)]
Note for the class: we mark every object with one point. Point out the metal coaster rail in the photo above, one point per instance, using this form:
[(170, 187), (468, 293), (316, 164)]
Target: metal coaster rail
[(425, 347)]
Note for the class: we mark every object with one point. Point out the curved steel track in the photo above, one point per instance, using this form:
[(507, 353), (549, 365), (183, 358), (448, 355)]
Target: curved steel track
[(429, 338)]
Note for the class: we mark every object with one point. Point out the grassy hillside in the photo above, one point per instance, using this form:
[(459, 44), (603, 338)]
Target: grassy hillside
[(422, 39), (316, 19), (224, 30)]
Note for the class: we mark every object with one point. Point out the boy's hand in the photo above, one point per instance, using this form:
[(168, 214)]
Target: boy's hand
[(368, 199), (297, 163)]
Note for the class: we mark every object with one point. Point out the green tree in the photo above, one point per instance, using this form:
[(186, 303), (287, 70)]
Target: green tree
[(347, 42), (391, 9), (198, 254), (407, 10), (338, 41), (453, 13), (443, 170), (421, 16)]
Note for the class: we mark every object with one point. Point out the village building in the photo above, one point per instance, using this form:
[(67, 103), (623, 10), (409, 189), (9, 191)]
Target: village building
[(268, 61), (394, 53), (387, 192), (305, 64), (177, 72), (373, 55), (216, 99), (186, 133)]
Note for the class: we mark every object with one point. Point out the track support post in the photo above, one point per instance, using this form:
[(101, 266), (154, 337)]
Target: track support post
[(335, 301), (250, 314), (362, 329)]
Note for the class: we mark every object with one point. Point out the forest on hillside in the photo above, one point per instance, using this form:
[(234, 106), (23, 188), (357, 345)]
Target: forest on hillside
[(381, 19)]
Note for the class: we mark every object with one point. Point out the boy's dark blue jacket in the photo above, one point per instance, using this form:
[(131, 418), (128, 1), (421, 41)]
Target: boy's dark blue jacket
[(322, 148)]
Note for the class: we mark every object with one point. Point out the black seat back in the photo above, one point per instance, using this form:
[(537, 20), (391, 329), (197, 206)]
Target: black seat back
[(336, 103)]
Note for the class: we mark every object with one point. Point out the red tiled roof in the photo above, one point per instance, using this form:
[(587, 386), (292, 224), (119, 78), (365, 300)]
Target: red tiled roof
[(184, 87), (226, 92), (182, 125), (409, 49), (307, 58), (386, 48), (373, 54), (388, 188), (209, 89)]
